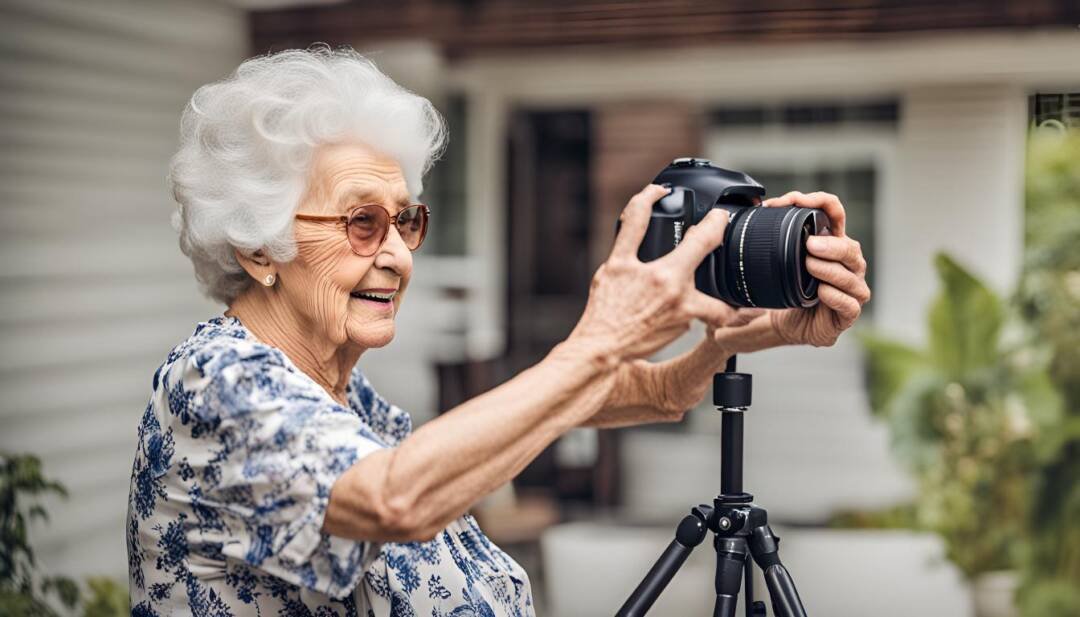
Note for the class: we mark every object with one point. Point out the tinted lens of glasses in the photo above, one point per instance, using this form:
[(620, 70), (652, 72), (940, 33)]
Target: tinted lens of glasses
[(412, 225), (367, 228)]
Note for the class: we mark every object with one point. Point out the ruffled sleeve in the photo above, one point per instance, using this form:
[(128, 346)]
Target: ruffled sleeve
[(264, 445), (391, 423)]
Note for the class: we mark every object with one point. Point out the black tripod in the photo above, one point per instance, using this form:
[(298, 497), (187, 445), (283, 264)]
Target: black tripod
[(741, 528)]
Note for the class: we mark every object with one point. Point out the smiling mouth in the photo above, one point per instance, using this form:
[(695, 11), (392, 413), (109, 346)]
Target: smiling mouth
[(382, 297)]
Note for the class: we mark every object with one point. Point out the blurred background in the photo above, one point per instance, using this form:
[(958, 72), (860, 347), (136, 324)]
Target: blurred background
[(928, 464)]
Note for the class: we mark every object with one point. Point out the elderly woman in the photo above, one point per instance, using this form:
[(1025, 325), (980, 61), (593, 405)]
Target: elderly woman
[(270, 478)]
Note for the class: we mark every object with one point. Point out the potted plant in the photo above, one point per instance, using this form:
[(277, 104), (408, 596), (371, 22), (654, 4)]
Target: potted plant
[(1049, 300), (967, 413)]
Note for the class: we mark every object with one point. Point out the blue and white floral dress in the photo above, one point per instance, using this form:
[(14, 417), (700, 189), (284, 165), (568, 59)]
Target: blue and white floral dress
[(237, 452)]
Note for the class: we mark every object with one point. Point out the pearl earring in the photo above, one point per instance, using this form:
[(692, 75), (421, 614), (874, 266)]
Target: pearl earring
[(269, 280)]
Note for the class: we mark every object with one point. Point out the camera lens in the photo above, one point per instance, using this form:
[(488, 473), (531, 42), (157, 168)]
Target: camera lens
[(765, 258)]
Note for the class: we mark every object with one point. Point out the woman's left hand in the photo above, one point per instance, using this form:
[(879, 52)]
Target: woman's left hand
[(838, 263), (648, 392), (664, 391)]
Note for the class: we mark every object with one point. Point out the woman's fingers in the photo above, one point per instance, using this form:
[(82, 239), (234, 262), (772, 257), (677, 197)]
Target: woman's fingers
[(744, 316), (826, 201), (846, 308), (839, 277), (635, 221), (713, 312), (697, 243), (845, 250)]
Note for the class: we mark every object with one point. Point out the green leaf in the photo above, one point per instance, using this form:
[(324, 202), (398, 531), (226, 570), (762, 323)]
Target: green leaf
[(1042, 401), (107, 598), (965, 322), (913, 421), (15, 603), (66, 590), (890, 364)]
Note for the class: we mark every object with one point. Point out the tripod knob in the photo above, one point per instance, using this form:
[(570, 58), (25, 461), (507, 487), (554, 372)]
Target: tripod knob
[(732, 389), (757, 609)]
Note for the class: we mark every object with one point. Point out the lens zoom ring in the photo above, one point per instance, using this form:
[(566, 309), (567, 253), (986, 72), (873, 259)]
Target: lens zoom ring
[(761, 257)]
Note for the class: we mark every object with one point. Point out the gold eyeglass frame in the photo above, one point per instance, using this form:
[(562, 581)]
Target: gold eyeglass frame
[(395, 220)]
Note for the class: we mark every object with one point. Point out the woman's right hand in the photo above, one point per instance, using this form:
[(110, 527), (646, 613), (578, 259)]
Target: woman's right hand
[(636, 308)]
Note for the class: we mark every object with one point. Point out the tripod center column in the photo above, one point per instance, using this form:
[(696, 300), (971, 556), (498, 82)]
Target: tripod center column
[(731, 396), (731, 452)]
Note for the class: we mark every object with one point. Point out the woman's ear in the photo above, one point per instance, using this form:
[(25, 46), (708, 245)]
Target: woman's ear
[(258, 266)]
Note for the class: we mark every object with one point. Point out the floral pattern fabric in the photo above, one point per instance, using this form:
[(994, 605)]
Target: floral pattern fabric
[(237, 452)]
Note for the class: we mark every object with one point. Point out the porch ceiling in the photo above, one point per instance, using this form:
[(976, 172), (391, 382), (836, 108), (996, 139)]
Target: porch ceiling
[(487, 27)]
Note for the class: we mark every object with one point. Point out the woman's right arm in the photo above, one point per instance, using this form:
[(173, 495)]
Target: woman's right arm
[(413, 491)]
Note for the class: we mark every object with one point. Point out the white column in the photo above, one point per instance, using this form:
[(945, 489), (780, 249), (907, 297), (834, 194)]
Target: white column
[(957, 187), (485, 190)]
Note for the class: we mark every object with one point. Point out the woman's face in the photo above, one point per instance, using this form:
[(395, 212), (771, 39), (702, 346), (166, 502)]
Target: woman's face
[(323, 283)]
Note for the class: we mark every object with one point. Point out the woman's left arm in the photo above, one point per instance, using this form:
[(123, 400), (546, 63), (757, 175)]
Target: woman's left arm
[(647, 392)]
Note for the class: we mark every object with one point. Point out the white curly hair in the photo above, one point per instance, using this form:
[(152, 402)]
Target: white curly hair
[(246, 144)]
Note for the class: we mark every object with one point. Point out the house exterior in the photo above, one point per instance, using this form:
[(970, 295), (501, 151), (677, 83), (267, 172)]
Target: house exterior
[(914, 114)]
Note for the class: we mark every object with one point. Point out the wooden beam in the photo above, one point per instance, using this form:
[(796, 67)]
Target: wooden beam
[(476, 27)]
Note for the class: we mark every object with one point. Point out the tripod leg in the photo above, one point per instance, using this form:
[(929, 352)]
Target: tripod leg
[(731, 555), (765, 546), (754, 608), (690, 533)]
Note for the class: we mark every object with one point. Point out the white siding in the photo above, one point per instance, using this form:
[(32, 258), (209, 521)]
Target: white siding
[(93, 289)]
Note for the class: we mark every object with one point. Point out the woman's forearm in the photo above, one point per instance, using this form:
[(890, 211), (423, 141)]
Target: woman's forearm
[(414, 490), (646, 393), (636, 398)]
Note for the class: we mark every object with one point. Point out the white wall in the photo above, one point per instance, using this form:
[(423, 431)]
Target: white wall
[(957, 186), (93, 289)]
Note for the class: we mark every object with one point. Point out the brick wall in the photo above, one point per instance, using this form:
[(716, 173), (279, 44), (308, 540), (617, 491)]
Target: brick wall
[(632, 142)]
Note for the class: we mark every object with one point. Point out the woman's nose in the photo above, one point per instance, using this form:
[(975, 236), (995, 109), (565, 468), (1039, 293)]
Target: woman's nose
[(394, 254)]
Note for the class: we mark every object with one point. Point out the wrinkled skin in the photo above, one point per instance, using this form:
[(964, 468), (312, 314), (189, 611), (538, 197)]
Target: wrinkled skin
[(664, 391), (308, 311), (837, 261)]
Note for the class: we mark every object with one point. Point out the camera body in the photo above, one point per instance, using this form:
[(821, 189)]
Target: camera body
[(762, 261)]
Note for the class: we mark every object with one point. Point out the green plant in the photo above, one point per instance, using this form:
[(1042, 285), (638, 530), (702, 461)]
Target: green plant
[(22, 592), (107, 598), (966, 414), (1049, 300), (21, 477)]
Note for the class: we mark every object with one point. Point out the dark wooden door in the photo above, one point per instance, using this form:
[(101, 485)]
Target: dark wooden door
[(549, 227)]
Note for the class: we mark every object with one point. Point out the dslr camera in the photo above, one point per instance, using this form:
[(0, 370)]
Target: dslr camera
[(762, 261)]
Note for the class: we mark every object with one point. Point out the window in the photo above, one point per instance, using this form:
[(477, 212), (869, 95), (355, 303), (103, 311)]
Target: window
[(838, 147), (1063, 108), (854, 184)]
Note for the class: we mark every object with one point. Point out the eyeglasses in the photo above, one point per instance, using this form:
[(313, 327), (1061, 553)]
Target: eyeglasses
[(366, 226)]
